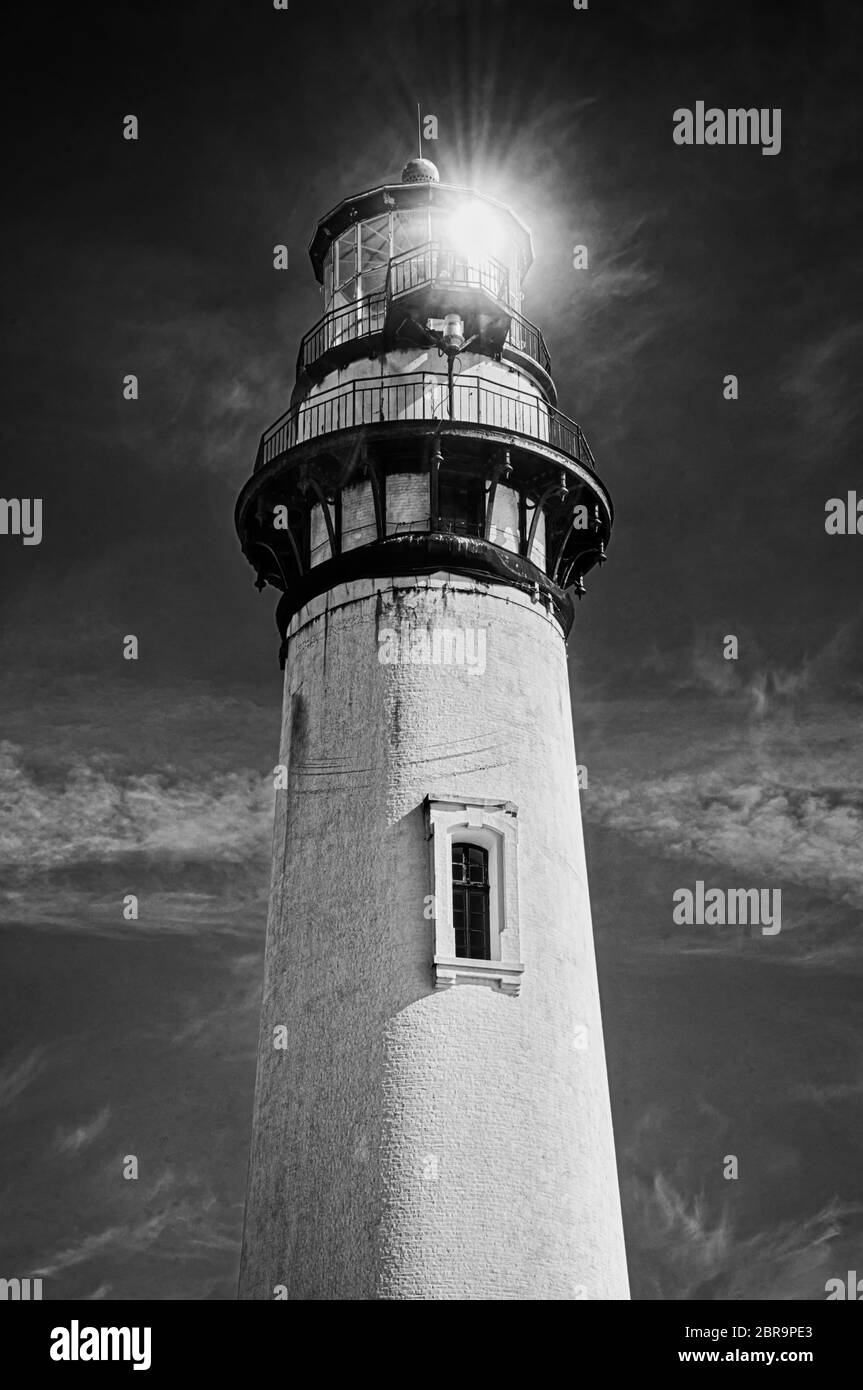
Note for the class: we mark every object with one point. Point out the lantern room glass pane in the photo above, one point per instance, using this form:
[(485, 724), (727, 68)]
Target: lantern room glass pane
[(346, 249), (345, 296), (375, 243), (374, 254), (373, 280), (410, 229)]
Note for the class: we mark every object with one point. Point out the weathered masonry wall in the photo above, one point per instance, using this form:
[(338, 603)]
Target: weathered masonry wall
[(408, 1143)]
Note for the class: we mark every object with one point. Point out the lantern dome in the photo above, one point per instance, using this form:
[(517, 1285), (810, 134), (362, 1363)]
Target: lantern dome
[(420, 171)]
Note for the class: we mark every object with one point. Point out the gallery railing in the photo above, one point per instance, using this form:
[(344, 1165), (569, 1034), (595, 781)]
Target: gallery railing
[(357, 320), (438, 264), (365, 317), (424, 396)]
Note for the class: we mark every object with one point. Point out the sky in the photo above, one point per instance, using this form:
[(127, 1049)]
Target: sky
[(154, 257)]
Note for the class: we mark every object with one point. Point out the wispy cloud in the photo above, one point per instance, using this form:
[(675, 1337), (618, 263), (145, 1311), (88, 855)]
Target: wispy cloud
[(819, 380), (100, 813), (230, 1019), (757, 683), (72, 1141), (19, 1072), (805, 836), (688, 1238), (198, 353), (686, 1250), (192, 848), (188, 1223)]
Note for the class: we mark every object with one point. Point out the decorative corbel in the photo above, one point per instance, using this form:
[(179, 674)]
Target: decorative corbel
[(553, 490), (378, 498)]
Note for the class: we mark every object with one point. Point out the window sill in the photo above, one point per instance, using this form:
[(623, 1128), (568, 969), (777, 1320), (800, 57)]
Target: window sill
[(506, 975)]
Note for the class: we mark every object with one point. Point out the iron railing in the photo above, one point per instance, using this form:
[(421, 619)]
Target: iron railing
[(424, 396), (366, 316), (525, 337), (437, 264), (357, 320)]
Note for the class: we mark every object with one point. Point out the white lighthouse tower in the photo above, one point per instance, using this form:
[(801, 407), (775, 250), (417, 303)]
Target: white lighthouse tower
[(432, 1116)]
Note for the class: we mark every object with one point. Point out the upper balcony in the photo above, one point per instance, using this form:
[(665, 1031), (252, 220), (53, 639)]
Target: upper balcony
[(437, 271), (424, 284)]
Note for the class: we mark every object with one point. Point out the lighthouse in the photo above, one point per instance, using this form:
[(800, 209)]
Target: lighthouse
[(431, 1116)]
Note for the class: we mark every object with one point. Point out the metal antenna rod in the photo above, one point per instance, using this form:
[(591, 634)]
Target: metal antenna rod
[(419, 131)]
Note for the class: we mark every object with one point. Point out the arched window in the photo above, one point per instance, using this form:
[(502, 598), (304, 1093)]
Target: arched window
[(470, 902), (474, 892)]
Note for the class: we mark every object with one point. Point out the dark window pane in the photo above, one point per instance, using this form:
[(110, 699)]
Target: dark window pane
[(461, 503), (470, 902), (458, 917)]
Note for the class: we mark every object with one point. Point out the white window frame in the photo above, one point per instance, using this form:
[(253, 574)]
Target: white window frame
[(492, 824)]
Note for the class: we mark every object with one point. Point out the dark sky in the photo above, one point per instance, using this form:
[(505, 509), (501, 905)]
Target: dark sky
[(152, 777)]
